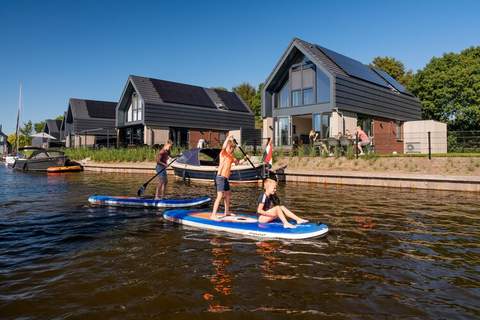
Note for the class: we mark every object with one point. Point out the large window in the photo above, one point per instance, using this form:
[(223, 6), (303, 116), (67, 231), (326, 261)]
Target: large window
[(283, 96), (323, 87), (321, 124), (296, 98), (308, 97), (282, 131), (135, 110)]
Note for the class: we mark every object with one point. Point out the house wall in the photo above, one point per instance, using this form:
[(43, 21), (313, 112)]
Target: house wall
[(385, 136), (267, 132), (342, 121), (154, 136), (84, 140), (197, 117), (362, 97), (213, 138)]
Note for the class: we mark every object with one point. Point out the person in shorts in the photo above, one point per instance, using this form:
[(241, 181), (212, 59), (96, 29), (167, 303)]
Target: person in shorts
[(161, 168), (363, 139), (269, 207), (227, 160)]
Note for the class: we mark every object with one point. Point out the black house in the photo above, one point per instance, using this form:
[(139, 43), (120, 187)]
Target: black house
[(89, 123), (152, 110), (312, 87), (53, 128)]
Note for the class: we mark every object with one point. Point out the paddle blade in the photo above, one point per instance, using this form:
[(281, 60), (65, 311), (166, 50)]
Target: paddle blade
[(141, 191)]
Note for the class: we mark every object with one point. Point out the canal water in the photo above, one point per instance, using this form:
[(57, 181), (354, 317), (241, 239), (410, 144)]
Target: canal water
[(390, 254)]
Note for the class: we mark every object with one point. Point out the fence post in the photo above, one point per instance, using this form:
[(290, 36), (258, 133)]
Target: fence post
[(356, 145), (108, 140), (429, 146)]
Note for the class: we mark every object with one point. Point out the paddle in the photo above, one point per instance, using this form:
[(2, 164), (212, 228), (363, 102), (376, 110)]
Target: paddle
[(235, 141), (141, 191)]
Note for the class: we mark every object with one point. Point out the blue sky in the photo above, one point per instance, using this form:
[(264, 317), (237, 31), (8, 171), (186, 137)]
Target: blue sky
[(87, 49)]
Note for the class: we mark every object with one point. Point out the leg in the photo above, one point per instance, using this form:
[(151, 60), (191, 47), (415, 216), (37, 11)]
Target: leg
[(164, 186), (228, 197), (293, 216), (277, 212), (359, 146), (216, 204), (160, 188)]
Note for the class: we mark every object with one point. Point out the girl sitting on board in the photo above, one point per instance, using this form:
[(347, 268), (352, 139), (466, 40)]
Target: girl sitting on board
[(223, 173), (269, 207)]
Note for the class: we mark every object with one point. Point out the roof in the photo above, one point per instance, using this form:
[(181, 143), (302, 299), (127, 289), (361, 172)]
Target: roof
[(339, 64), (92, 109), (161, 92), (53, 126)]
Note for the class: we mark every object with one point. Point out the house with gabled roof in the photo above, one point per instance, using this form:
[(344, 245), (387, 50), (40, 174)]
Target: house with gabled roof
[(53, 128), (312, 87), (150, 111), (90, 123), (5, 146)]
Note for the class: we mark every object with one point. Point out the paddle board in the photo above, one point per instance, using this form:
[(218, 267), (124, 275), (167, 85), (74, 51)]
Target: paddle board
[(245, 224), (145, 202)]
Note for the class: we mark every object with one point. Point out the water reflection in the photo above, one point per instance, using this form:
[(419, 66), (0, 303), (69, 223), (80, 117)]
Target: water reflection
[(267, 250), (221, 280)]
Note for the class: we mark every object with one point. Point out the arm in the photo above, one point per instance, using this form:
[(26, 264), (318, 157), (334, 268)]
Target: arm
[(263, 212), (224, 146)]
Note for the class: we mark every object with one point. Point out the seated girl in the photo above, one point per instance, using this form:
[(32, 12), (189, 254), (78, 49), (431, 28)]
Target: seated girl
[(269, 207)]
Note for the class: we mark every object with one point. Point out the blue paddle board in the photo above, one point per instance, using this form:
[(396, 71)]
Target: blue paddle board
[(143, 202), (245, 224)]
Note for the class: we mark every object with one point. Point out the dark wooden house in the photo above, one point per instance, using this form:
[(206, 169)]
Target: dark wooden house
[(312, 87), (89, 123), (151, 110), (53, 128)]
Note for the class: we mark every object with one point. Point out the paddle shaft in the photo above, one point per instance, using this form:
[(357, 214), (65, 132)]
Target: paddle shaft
[(244, 153)]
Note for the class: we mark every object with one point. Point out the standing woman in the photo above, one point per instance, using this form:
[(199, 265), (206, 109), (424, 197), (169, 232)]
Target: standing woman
[(223, 173), (162, 158)]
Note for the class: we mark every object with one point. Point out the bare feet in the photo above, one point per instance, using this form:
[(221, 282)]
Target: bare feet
[(216, 217), (300, 221), (288, 225)]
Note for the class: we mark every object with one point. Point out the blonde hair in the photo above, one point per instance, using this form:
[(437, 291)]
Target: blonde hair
[(267, 182), (169, 142), (230, 143)]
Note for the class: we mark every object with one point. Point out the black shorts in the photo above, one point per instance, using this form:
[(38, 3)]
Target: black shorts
[(222, 184)]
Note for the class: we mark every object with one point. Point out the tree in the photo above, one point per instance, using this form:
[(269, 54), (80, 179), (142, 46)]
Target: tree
[(60, 117), (449, 89), (253, 97), (246, 91), (394, 68), (39, 126)]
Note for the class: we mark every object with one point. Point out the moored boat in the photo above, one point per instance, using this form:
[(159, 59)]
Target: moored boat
[(202, 164), (39, 159)]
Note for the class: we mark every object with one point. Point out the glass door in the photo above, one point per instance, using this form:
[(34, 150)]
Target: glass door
[(283, 131)]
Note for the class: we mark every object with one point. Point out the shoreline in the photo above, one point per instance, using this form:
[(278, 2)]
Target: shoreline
[(333, 177)]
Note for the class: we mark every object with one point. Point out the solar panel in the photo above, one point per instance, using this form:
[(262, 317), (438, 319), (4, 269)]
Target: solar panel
[(101, 109), (354, 68), (180, 93), (231, 101), (391, 80)]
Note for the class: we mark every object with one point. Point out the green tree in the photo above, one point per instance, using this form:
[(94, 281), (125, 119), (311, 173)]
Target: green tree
[(246, 91), (449, 89), (39, 126), (394, 68), (60, 117)]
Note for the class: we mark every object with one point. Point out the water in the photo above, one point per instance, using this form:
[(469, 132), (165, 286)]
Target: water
[(391, 253)]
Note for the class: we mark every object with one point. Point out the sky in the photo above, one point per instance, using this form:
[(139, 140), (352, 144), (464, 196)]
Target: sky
[(87, 49)]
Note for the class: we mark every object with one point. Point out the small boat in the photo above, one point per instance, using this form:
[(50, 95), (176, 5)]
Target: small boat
[(202, 164), (40, 159), (64, 169), (246, 225), (137, 202), (10, 160)]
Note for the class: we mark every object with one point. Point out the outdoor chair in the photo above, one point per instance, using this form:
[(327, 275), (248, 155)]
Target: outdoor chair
[(333, 144)]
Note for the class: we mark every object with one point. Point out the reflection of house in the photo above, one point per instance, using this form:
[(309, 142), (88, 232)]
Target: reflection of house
[(314, 87), (53, 128), (151, 111), (90, 123), (4, 145)]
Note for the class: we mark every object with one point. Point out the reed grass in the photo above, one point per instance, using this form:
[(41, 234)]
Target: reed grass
[(117, 155)]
